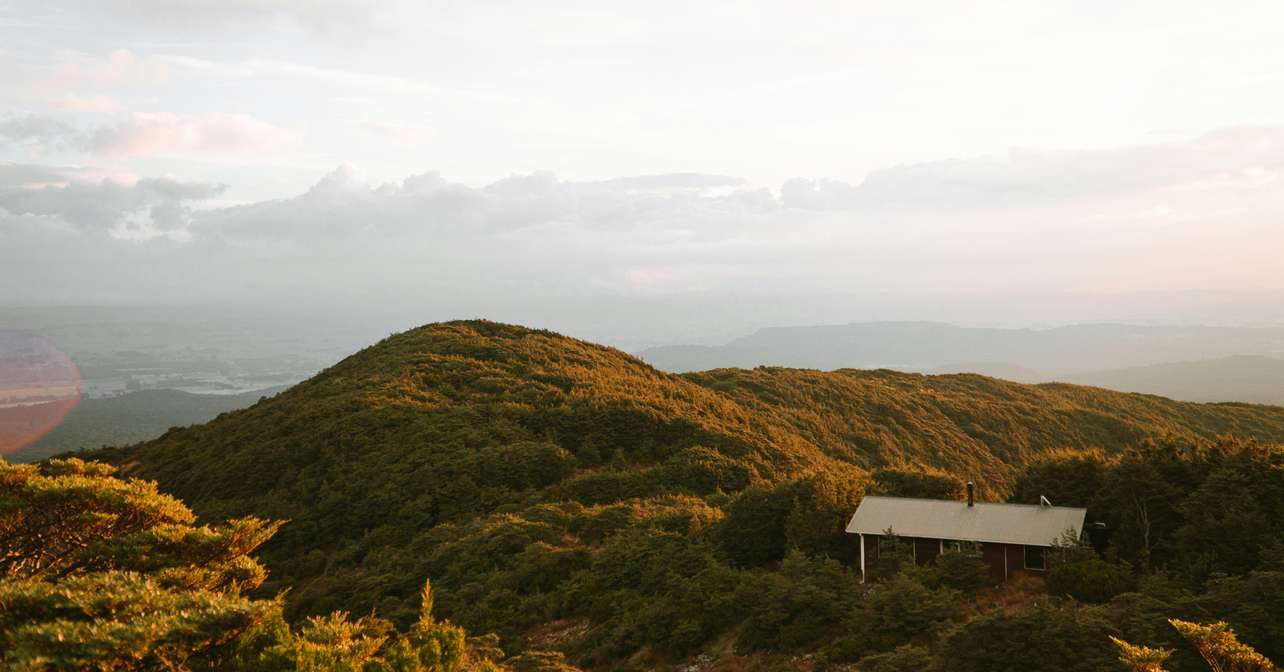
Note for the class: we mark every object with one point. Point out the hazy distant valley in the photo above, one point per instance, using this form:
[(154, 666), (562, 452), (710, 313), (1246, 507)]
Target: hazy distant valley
[(1190, 363), (146, 370)]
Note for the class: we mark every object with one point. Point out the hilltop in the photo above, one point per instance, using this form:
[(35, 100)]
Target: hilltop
[(568, 495)]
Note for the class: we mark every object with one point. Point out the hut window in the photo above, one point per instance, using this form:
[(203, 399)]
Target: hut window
[(1034, 558)]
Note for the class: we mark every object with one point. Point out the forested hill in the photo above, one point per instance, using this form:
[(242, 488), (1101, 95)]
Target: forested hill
[(547, 485), (984, 428)]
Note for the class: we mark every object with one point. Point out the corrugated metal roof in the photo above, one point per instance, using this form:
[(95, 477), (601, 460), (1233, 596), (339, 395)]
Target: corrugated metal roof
[(1027, 524)]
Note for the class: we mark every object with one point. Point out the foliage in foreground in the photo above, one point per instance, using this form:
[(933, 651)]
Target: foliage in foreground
[(1216, 644), (565, 495), (101, 573)]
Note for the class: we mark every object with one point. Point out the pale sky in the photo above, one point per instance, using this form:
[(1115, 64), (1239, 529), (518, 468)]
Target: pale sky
[(1059, 147)]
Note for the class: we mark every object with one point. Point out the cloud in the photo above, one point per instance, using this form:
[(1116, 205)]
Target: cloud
[(120, 69), (166, 133), (1126, 221), (1026, 176), (144, 134), (676, 181), (122, 207), (406, 134), (267, 69), (42, 133), (343, 203), (320, 16), (98, 104)]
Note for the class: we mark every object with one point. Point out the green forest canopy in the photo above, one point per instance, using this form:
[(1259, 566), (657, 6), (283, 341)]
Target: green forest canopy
[(566, 495)]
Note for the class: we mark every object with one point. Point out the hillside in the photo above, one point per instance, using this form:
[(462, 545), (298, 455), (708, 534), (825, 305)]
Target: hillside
[(567, 495), (130, 418), (968, 424)]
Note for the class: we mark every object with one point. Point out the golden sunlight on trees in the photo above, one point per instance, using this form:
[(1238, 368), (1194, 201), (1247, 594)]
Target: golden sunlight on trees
[(103, 573), (1215, 642)]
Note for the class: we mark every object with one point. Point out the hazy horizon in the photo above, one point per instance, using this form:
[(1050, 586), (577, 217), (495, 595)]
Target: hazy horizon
[(647, 176)]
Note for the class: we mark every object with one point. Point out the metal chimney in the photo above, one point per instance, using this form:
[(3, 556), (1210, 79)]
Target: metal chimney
[(971, 488)]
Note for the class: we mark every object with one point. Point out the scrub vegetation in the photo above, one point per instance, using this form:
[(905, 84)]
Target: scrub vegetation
[(573, 506)]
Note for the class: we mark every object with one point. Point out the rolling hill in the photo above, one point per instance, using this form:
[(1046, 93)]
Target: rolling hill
[(560, 491), (130, 418)]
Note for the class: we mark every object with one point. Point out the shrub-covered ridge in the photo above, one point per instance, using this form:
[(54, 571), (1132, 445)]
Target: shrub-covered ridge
[(560, 492)]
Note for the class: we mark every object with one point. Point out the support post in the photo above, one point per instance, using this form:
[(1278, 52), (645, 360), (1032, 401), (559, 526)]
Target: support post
[(862, 558)]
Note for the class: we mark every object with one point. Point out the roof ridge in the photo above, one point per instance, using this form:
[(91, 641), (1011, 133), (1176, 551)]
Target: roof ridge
[(964, 502)]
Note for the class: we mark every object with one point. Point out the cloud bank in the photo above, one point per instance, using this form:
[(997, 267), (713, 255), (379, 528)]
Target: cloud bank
[(1197, 215)]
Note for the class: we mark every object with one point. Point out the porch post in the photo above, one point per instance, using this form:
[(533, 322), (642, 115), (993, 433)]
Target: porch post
[(862, 558)]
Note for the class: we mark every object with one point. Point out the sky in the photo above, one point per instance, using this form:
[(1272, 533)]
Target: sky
[(713, 166)]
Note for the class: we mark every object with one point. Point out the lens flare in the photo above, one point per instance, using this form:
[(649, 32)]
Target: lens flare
[(39, 385)]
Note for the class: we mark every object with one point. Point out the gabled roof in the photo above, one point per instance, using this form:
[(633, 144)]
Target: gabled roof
[(1028, 524)]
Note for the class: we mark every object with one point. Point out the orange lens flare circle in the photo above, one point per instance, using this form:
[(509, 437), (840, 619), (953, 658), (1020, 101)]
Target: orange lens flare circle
[(39, 385)]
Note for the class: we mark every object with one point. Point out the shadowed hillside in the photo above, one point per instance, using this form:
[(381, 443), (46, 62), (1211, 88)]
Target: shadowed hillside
[(130, 418), (546, 484)]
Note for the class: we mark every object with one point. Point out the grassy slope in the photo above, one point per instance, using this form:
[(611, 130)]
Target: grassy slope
[(514, 466)]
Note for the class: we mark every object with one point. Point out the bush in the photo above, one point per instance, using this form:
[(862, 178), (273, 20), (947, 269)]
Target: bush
[(917, 481), (1044, 639), (797, 606), (1090, 579), (753, 532), (907, 658), (964, 571), (899, 611)]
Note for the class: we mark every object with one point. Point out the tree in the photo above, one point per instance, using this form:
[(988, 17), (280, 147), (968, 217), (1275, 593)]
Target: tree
[(1235, 513), (917, 481), (901, 611), (1142, 492), (1221, 649), (1141, 658), (105, 573), (119, 621), (1216, 644), (102, 573), (1047, 638), (1068, 477)]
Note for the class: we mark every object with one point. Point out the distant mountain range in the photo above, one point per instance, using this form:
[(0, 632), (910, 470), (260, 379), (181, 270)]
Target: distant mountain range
[(1246, 378), (1191, 363)]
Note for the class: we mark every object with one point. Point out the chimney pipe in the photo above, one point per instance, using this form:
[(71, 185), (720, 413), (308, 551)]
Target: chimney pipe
[(971, 487)]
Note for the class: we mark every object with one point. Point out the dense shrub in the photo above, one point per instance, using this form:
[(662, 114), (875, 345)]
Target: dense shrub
[(1090, 579), (899, 611), (1051, 639), (797, 606), (907, 658), (917, 481), (964, 571)]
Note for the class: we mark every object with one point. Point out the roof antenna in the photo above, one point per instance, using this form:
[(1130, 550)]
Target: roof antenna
[(1043, 501)]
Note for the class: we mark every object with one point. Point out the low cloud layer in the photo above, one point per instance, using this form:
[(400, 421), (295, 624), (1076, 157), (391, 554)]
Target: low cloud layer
[(1198, 215)]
